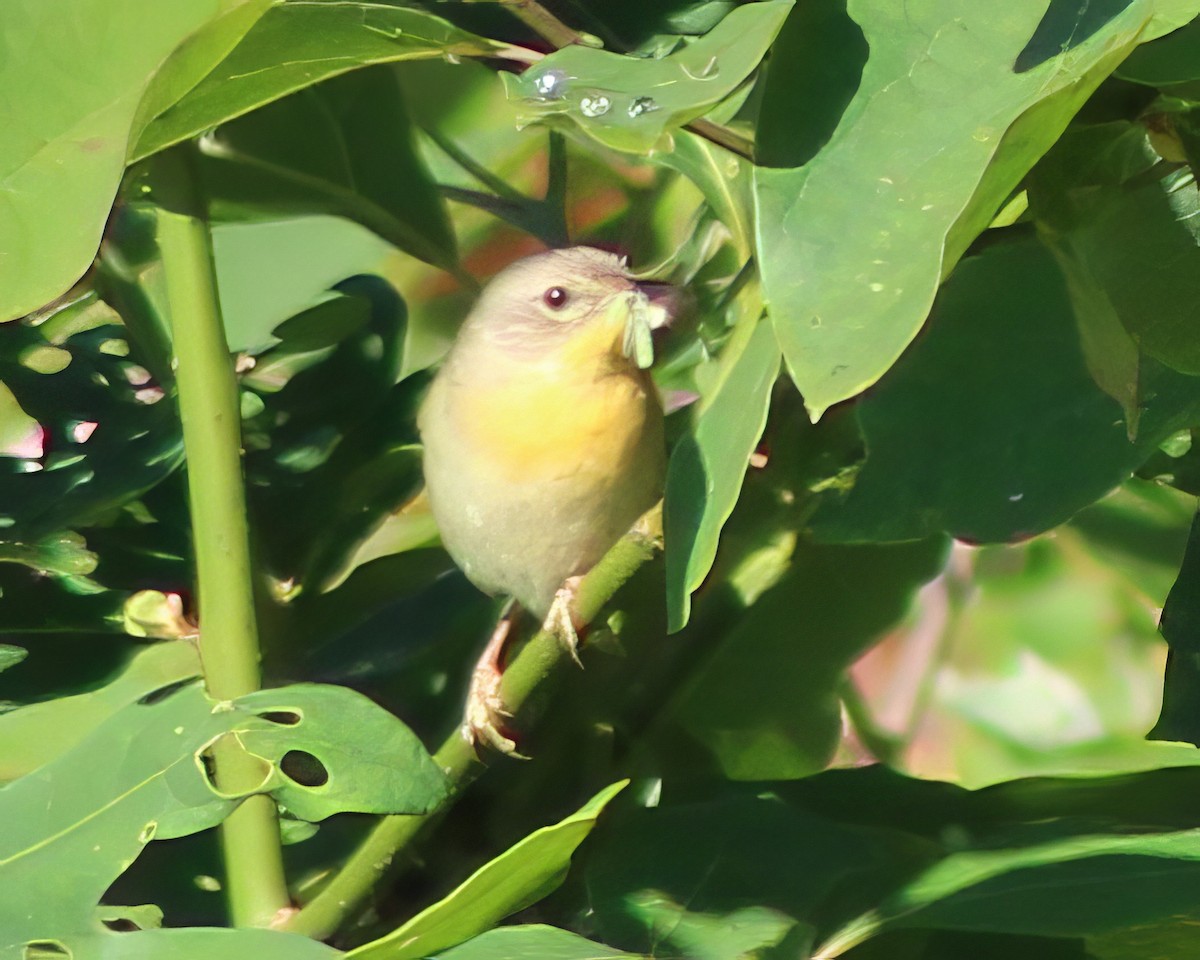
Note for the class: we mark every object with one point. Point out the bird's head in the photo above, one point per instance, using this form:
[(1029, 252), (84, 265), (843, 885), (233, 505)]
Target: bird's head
[(579, 301)]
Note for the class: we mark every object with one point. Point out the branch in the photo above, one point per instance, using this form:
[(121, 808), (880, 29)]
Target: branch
[(528, 672), (208, 405)]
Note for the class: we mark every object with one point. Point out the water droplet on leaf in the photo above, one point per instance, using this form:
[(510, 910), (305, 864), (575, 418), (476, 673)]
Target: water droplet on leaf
[(596, 106), (550, 85), (640, 105)]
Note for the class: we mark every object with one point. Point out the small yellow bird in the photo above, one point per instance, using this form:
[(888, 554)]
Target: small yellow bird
[(543, 438)]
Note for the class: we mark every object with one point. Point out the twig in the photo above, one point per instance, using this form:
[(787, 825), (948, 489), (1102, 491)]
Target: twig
[(534, 663), (208, 404), (542, 22)]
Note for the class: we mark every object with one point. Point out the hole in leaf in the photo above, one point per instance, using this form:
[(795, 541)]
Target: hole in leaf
[(121, 925), (287, 718), (157, 696), (45, 950), (304, 769), (209, 762)]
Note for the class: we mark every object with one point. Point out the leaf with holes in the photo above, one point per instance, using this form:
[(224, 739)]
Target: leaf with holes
[(78, 822), (519, 877)]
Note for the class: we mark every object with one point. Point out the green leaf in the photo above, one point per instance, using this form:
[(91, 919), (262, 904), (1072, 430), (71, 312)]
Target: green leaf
[(62, 156), (1180, 627), (295, 45), (708, 463), (522, 875), (273, 270), (722, 879), (344, 148), (372, 762), (1130, 248), (81, 819), (1172, 59), (933, 427), (532, 940), (954, 107), (1067, 882), (766, 703), (10, 656), (103, 425), (634, 104)]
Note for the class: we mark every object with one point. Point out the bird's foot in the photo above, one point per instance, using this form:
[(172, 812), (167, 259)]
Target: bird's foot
[(484, 722), (561, 622)]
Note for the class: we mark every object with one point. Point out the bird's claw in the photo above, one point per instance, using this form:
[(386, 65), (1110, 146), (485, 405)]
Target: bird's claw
[(485, 714), (560, 621)]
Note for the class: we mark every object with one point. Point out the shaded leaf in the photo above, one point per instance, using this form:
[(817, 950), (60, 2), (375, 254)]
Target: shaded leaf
[(634, 104), (1000, 443), (1172, 59), (10, 656), (708, 463), (905, 183), (531, 940), (520, 876), (345, 148), (766, 704), (295, 45), (1180, 627)]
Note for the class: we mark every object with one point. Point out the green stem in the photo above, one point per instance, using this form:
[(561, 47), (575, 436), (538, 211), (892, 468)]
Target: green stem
[(543, 655), (208, 405), (542, 22)]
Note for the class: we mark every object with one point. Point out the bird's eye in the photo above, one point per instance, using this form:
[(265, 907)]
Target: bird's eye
[(556, 298)]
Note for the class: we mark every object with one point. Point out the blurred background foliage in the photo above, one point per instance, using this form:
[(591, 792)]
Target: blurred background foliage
[(901, 710)]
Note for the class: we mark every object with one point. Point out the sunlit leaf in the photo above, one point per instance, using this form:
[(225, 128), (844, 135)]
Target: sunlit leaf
[(298, 44), (918, 165), (633, 104), (708, 464), (520, 876), (67, 128)]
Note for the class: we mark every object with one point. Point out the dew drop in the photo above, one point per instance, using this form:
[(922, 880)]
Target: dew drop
[(596, 106), (550, 85), (640, 105)]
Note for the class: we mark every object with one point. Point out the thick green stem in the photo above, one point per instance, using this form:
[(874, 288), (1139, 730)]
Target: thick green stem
[(208, 404), (525, 675)]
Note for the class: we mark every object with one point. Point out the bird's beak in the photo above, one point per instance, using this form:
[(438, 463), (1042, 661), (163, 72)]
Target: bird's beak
[(651, 307)]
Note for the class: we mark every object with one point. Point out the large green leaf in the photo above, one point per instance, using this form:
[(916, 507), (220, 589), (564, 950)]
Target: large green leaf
[(1127, 238), (297, 44), (531, 940), (955, 105), (1180, 626), (344, 147), (1004, 440), (73, 75), (1169, 60), (632, 103), (1055, 879), (708, 463), (520, 876), (722, 879), (76, 823), (35, 735)]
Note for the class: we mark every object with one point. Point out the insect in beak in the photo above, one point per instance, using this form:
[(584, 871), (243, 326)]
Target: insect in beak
[(650, 308)]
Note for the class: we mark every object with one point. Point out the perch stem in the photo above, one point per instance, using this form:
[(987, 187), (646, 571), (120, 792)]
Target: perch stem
[(526, 675), (256, 887)]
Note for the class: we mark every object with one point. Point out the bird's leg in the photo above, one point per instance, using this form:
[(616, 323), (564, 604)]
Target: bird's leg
[(486, 713), (561, 620)]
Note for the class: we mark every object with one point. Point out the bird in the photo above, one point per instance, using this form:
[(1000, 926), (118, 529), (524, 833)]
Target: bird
[(543, 441)]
